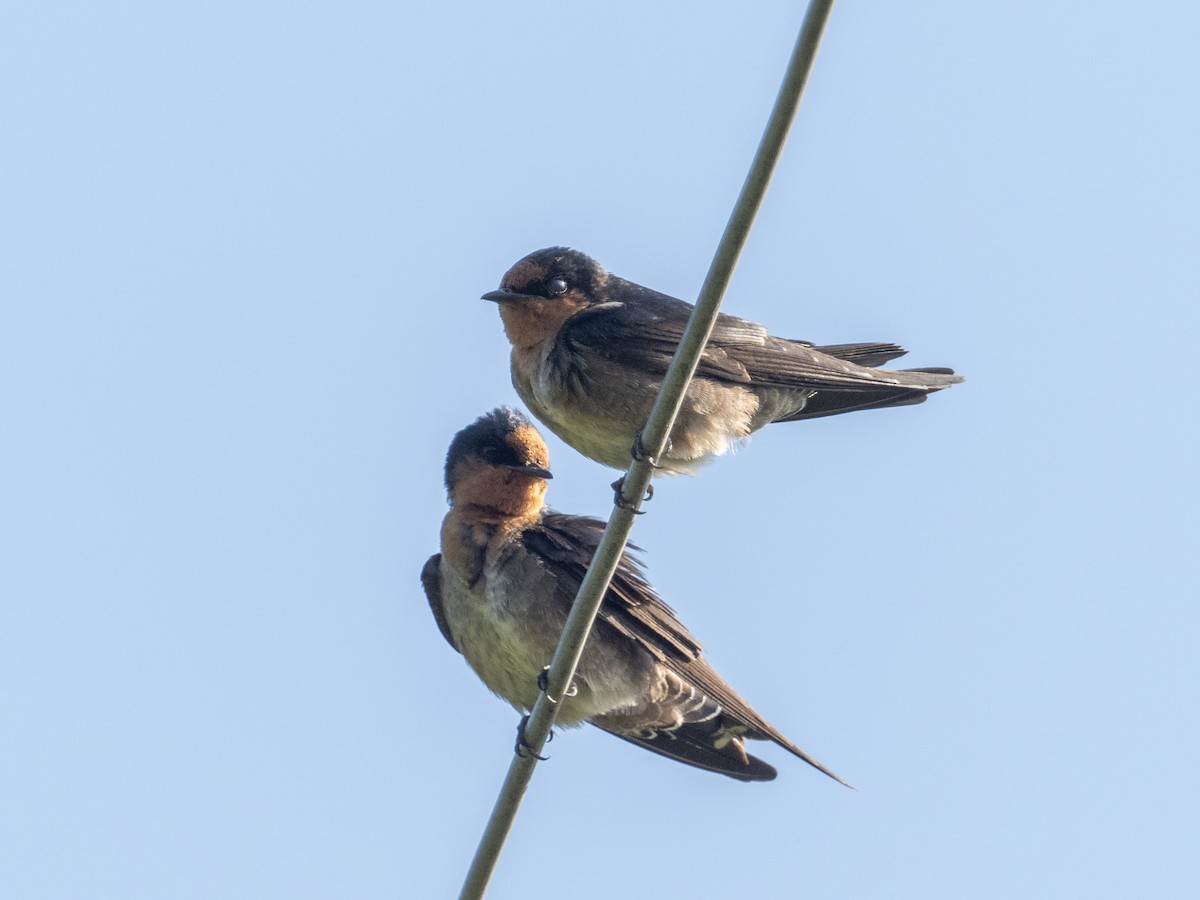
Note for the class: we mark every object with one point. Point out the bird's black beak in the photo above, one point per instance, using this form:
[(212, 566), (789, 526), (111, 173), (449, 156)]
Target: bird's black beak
[(501, 296), (535, 471)]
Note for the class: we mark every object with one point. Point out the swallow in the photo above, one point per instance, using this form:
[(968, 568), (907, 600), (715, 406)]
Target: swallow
[(589, 351), (503, 584)]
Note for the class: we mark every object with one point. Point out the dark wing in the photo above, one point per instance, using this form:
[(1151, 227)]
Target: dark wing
[(641, 328), (431, 580), (566, 545)]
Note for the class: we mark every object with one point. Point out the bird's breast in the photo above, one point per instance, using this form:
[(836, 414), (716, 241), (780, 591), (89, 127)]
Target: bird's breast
[(498, 641), (507, 624)]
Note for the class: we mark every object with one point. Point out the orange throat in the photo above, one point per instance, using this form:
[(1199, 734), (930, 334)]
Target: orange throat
[(534, 321), (499, 497)]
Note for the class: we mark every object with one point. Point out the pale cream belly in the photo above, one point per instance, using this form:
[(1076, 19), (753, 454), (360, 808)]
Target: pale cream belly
[(713, 419), (508, 649)]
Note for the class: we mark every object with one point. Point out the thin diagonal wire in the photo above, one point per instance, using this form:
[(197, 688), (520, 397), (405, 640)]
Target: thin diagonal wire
[(654, 440)]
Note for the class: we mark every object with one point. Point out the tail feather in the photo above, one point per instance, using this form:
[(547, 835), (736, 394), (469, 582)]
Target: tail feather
[(693, 744), (911, 389), (826, 403), (869, 354)]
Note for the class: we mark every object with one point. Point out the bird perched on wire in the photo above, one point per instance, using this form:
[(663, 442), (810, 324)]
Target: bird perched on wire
[(589, 351), (503, 584)]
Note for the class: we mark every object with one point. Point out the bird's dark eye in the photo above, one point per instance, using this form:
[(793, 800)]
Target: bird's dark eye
[(498, 454), (556, 286)]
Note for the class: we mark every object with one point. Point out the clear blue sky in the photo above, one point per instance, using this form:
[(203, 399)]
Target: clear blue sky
[(242, 246)]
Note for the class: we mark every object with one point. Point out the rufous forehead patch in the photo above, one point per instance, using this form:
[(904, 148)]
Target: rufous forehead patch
[(523, 274), (529, 446)]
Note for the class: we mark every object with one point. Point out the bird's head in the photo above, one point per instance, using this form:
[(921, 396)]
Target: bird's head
[(497, 467), (543, 290)]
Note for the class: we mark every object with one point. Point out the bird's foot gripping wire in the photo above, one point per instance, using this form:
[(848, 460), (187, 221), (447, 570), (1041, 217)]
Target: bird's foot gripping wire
[(638, 451), (543, 683), (618, 487), (523, 747)]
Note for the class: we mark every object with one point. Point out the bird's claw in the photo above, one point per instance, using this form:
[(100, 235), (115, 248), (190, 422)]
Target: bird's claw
[(618, 487), (638, 451), (523, 748), (543, 683)]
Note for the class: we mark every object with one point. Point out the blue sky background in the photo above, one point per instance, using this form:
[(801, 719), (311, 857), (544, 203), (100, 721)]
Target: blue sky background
[(240, 255)]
